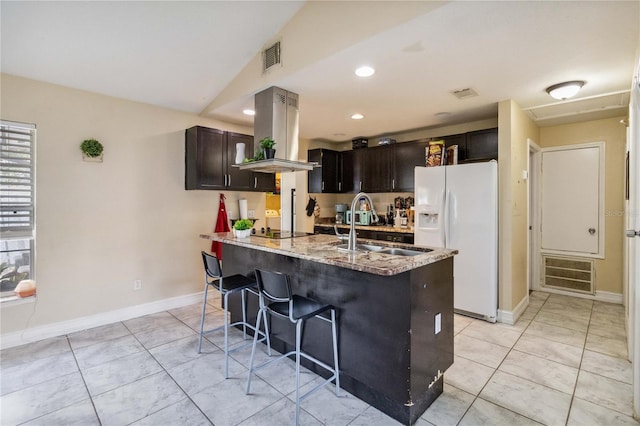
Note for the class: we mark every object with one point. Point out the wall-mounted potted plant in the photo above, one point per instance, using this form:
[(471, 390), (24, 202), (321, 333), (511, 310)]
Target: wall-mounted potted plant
[(92, 150), (243, 227), (267, 147)]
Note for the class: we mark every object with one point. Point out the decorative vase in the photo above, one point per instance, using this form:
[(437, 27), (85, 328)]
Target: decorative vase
[(244, 233), (240, 153), (269, 153)]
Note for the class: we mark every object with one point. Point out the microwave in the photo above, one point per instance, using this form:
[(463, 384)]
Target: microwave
[(361, 217)]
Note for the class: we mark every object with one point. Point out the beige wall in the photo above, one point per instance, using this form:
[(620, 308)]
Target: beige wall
[(610, 131), (102, 225), (514, 129)]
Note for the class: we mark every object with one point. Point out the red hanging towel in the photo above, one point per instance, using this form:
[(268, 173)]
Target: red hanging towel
[(222, 225)]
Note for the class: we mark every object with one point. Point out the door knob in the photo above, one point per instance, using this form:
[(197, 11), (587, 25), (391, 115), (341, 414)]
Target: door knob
[(632, 233), (592, 231)]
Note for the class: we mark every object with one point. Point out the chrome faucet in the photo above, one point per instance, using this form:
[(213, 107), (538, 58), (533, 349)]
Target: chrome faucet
[(352, 230)]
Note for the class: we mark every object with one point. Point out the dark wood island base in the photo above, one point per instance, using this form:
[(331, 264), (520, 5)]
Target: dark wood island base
[(395, 331)]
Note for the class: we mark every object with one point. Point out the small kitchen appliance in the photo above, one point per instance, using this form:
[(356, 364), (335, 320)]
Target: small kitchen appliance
[(341, 210), (361, 217)]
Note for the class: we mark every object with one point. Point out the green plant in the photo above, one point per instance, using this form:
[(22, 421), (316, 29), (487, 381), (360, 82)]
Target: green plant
[(259, 155), (91, 148), (267, 143), (242, 224)]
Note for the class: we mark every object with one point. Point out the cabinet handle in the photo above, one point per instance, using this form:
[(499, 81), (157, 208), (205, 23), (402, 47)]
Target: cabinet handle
[(393, 184), (255, 182), (339, 186), (360, 185), (225, 180), (229, 180), (323, 185)]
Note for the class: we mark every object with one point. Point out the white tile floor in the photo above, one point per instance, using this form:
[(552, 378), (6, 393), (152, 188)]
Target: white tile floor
[(563, 363)]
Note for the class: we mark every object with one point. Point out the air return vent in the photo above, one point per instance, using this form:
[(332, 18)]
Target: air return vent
[(271, 57), (464, 93), (571, 274)]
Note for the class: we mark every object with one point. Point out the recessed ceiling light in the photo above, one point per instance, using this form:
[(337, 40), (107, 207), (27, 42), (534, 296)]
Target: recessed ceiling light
[(565, 90), (357, 116), (248, 112), (365, 71)]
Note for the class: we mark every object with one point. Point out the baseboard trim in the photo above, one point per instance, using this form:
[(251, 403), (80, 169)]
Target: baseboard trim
[(34, 334), (610, 297), (511, 317)]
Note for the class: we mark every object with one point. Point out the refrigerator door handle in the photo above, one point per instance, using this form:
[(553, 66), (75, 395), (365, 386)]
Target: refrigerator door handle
[(445, 221), (441, 214)]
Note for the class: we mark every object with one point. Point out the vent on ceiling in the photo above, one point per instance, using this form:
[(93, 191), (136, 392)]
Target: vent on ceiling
[(593, 104), (271, 56), (464, 93), (571, 274)]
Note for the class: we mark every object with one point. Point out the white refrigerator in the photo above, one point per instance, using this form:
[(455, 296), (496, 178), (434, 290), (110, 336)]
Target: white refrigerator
[(457, 207)]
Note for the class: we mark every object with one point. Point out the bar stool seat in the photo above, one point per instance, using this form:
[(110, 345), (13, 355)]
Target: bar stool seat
[(231, 284), (276, 297)]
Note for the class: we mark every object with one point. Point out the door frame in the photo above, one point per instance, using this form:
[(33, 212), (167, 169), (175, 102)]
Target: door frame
[(601, 200), (632, 216), (533, 215)]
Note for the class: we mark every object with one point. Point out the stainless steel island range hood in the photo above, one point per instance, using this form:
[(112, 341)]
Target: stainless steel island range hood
[(277, 117)]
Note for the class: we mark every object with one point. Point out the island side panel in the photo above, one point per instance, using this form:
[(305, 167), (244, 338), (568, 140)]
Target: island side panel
[(374, 317), (431, 352)]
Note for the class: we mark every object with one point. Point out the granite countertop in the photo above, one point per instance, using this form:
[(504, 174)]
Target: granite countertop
[(383, 228), (322, 249)]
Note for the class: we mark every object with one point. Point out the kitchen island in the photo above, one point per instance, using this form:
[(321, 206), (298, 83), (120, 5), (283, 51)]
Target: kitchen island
[(395, 314)]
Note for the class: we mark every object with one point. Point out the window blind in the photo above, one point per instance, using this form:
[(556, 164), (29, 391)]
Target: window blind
[(17, 142)]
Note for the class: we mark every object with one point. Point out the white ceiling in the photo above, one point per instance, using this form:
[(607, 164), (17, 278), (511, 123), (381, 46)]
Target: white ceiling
[(201, 56)]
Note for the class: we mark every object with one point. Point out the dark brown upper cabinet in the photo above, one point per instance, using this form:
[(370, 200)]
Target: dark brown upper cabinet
[(326, 177), (209, 158), (406, 156)]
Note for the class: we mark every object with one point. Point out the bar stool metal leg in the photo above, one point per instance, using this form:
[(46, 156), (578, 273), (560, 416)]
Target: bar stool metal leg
[(299, 325), (204, 309), (335, 350)]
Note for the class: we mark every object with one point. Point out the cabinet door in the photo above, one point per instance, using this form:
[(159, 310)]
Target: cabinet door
[(461, 141), (406, 157), (204, 158), (240, 180), (350, 175), (264, 182), (325, 178), (377, 169), (482, 145)]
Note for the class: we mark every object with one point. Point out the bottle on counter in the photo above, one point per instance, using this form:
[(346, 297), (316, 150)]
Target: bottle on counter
[(397, 219)]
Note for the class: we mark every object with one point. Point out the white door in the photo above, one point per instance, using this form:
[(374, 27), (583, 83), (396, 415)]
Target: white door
[(571, 199), (471, 211), (429, 208), (633, 232)]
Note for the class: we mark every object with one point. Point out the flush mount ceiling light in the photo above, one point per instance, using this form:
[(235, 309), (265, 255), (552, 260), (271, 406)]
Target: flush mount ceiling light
[(248, 112), (357, 116), (365, 71), (565, 90)]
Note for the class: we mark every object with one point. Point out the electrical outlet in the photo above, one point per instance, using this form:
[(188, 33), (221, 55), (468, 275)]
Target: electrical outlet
[(438, 325), (251, 214), (137, 284)]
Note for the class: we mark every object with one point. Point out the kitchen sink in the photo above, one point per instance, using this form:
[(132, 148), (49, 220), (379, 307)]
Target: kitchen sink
[(396, 251), (400, 252), (362, 247)]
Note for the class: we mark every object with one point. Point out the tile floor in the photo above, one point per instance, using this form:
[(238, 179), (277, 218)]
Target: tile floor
[(563, 363)]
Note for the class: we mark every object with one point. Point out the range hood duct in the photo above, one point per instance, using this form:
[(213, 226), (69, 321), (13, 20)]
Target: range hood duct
[(277, 117)]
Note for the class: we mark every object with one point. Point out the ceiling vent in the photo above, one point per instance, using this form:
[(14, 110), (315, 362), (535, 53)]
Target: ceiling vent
[(271, 57), (610, 104), (464, 93)]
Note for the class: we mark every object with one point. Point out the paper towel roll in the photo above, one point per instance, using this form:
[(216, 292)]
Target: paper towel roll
[(243, 208)]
